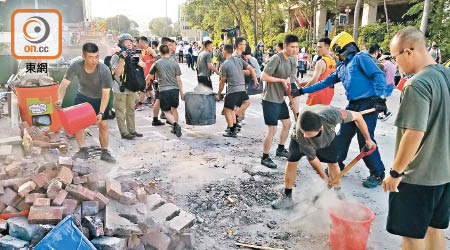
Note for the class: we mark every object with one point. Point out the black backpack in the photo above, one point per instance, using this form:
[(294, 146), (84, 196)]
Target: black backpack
[(133, 77)]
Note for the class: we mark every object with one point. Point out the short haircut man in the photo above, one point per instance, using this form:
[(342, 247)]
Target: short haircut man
[(155, 43), (164, 49), (95, 83), (165, 40), (290, 39), (238, 41), (169, 85), (419, 181), (89, 48), (279, 73), (310, 121), (228, 48), (143, 38), (325, 40), (207, 42)]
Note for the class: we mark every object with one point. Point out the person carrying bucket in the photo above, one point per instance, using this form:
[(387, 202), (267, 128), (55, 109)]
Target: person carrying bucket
[(95, 85), (315, 138), (419, 180), (170, 86), (365, 87)]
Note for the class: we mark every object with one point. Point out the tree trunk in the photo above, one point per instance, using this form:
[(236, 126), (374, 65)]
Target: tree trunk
[(255, 25), (426, 11), (387, 17), (356, 20)]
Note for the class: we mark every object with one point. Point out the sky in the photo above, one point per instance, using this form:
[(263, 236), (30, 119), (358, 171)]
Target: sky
[(141, 11)]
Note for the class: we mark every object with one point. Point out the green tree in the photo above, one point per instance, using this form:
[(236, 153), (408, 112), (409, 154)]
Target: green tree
[(161, 26), (121, 24), (438, 22)]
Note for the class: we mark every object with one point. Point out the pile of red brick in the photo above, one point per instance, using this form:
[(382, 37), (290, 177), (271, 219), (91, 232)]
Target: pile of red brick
[(113, 214)]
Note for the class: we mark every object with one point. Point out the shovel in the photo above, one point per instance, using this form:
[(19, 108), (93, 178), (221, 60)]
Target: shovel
[(338, 177), (345, 170)]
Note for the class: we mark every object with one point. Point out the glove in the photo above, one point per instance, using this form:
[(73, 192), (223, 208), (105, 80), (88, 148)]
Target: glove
[(380, 105)]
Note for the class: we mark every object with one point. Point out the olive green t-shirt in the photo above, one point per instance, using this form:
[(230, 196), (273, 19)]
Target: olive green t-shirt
[(279, 67), (425, 106), (330, 117), (167, 70), (202, 63)]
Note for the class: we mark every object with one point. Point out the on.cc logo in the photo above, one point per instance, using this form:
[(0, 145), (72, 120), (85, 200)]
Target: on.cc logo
[(39, 26)]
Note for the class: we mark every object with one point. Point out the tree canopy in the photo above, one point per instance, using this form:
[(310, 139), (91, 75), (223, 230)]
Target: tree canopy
[(161, 26), (121, 24)]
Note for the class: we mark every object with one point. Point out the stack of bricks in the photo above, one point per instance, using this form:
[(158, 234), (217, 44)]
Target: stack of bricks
[(71, 188), (37, 142), (110, 213)]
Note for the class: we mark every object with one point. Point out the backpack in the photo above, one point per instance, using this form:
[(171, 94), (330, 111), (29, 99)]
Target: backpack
[(133, 77)]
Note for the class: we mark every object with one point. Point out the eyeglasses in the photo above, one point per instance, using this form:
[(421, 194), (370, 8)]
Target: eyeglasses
[(401, 52)]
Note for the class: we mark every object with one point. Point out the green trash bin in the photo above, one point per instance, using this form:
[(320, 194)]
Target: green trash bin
[(58, 73), (8, 66)]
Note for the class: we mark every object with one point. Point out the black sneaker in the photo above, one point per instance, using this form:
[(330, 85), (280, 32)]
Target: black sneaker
[(177, 130), (283, 202), (157, 123), (268, 163), (137, 134), (283, 153), (373, 181), (238, 125), (387, 116), (106, 156), (128, 137), (81, 154), (162, 116), (228, 133)]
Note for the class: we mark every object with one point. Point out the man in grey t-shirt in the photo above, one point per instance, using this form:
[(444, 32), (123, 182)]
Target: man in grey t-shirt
[(419, 180), (205, 65), (279, 75), (315, 138), (95, 85), (170, 86), (232, 73)]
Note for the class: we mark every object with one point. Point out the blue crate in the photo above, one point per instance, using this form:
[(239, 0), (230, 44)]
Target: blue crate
[(65, 236)]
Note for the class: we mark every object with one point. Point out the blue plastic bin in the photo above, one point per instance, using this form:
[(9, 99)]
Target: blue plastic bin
[(65, 236)]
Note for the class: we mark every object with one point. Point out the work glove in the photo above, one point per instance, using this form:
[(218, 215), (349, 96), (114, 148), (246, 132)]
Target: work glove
[(380, 105)]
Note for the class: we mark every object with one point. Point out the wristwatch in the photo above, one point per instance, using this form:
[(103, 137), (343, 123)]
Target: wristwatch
[(395, 174), (100, 113)]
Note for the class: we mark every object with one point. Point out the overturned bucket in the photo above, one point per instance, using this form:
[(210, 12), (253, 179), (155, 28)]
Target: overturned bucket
[(350, 223), (77, 117), (200, 108)]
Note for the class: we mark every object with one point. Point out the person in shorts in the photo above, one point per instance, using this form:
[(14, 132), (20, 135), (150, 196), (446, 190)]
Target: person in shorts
[(95, 85), (279, 75), (419, 180), (205, 65), (170, 86), (233, 74), (315, 138)]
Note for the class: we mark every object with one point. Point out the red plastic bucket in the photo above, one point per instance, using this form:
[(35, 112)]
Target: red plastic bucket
[(350, 225), (78, 117)]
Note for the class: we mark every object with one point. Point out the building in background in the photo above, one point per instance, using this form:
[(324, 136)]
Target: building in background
[(371, 11), (187, 32)]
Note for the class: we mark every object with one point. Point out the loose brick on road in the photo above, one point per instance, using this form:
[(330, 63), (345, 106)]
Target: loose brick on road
[(113, 189)]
